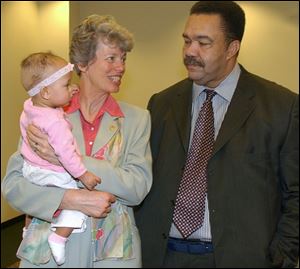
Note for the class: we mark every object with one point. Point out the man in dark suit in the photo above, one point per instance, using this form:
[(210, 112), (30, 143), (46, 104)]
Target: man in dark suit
[(250, 210)]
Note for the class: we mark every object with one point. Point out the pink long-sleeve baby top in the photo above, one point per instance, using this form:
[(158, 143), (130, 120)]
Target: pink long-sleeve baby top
[(53, 122)]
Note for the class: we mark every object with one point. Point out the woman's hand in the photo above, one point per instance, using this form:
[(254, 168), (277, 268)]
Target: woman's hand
[(38, 141), (94, 203)]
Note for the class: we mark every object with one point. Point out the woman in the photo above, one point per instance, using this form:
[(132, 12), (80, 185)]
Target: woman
[(115, 139)]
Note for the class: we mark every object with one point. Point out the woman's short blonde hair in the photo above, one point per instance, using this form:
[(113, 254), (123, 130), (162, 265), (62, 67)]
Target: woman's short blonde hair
[(86, 36)]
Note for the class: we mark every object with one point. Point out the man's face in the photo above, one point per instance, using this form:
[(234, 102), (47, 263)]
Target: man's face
[(205, 50)]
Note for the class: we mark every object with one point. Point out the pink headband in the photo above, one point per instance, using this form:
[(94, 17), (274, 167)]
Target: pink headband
[(55, 76)]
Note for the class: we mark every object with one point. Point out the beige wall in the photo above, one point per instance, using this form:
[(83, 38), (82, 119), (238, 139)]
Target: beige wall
[(270, 48), (26, 27)]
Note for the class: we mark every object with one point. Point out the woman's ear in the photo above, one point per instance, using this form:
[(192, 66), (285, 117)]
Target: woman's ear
[(82, 68), (233, 49), (45, 93)]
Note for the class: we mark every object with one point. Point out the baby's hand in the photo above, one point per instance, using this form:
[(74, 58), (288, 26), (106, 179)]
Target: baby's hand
[(89, 180)]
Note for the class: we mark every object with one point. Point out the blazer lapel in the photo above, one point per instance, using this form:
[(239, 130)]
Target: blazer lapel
[(240, 108), (74, 118), (181, 107), (108, 127)]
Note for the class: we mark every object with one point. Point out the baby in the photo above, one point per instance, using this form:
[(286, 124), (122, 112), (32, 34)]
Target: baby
[(46, 78)]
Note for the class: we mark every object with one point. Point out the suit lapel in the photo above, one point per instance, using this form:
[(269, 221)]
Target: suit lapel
[(181, 108), (240, 108)]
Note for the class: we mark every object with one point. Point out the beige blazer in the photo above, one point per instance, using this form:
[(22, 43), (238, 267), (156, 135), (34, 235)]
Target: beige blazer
[(126, 173)]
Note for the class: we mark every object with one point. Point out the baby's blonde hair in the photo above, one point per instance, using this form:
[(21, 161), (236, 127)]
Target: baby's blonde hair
[(38, 66)]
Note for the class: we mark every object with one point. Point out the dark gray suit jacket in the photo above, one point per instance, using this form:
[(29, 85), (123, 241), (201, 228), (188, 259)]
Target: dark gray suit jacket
[(253, 175)]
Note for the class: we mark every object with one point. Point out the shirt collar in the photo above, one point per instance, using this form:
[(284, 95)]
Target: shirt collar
[(110, 106), (225, 89)]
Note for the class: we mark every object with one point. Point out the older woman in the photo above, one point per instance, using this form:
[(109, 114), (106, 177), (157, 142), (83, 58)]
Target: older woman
[(115, 139)]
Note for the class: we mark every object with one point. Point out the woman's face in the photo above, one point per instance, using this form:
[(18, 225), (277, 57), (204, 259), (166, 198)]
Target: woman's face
[(105, 72)]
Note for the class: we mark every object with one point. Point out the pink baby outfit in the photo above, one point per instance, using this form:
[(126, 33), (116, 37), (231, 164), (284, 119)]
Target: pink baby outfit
[(39, 171)]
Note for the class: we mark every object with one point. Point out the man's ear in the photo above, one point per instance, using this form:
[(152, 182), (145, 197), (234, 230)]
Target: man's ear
[(45, 93), (233, 49)]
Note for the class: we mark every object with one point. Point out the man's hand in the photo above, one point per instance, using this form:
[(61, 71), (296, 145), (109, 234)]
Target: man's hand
[(89, 180), (94, 203), (38, 141)]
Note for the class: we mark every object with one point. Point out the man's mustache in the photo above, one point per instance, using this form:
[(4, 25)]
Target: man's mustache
[(190, 60)]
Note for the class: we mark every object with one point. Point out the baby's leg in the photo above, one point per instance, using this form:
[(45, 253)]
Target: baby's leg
[(28, 220), (64, 231)]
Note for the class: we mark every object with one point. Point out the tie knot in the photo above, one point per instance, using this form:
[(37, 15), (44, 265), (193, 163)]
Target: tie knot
[(209, 94)]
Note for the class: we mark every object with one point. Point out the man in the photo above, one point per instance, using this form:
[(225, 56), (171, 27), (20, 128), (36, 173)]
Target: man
[(244, 157)]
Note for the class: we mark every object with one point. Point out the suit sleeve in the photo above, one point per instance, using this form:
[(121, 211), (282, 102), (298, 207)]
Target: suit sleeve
[(285, 246), (37, 201), (156, 111), (132, 180)]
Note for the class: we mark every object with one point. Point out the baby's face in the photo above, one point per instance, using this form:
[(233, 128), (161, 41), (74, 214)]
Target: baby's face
[(60, 91)]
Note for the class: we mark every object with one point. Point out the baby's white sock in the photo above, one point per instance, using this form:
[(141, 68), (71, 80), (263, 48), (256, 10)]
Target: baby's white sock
[(57, 245)]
